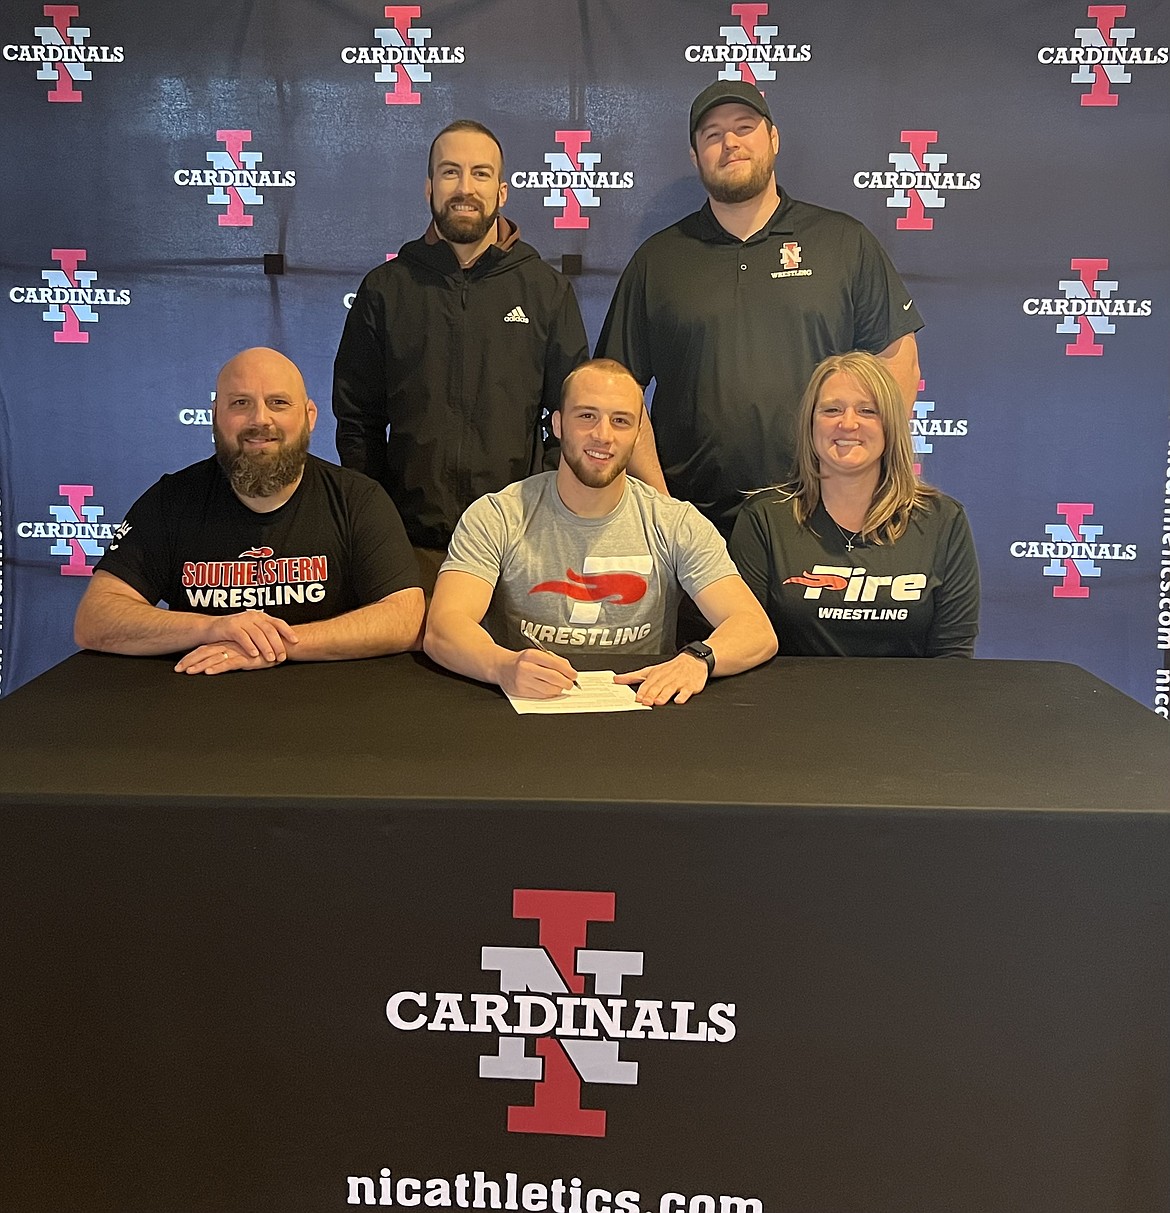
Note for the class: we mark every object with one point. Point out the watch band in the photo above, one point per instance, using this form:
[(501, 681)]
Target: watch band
[(703, 652)]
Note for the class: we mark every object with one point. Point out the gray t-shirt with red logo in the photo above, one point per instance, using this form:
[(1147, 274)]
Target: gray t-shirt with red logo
[(598, 585)]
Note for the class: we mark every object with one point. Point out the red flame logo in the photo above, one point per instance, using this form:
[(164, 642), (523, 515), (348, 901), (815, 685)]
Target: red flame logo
[(621, 588), (819, 581)]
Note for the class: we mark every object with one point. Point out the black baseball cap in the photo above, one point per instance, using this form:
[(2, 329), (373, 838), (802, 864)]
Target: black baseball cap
[(724, 91)]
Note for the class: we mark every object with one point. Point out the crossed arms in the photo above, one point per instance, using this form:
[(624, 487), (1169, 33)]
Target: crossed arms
[(114, 618)]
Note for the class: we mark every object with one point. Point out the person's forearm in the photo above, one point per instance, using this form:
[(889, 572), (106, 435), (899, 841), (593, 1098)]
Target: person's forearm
[(901, 360), (741, 641), (393, 625), (459, 644), (114, 624)]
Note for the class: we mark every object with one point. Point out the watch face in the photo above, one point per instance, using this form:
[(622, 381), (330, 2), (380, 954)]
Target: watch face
[(702, 651)]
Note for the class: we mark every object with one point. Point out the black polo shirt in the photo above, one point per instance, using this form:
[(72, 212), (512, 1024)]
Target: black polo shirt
[(731, 330)]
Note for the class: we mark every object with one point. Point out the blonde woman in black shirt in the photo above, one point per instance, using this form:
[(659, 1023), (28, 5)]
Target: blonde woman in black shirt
[(855, 556)]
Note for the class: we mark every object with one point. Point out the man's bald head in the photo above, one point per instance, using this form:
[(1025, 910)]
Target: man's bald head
[(267, 363)]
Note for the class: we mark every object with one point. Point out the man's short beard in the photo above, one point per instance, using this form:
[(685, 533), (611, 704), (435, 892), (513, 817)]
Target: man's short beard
[(742, 191), (463, 229), (594, 478), (256, 473)]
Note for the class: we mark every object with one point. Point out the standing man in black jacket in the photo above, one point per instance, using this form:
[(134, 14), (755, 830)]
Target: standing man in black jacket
[(456, 347)]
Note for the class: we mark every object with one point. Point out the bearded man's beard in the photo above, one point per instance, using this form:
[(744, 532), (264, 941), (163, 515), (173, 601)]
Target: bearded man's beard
[(463, 229), (261, 473)]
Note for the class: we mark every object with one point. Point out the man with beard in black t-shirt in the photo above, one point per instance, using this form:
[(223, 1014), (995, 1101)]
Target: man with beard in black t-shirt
[(262, 553)]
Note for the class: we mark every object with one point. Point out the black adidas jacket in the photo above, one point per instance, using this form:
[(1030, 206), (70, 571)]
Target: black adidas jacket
[(442, 376)]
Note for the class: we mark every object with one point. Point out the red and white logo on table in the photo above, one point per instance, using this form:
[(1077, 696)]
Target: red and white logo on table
[(562, 1014)]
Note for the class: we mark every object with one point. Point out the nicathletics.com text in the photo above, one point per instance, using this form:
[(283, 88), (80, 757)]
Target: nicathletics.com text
[(476, 1191)]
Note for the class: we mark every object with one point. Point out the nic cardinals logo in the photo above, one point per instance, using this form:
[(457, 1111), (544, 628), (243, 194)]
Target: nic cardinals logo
[(235, 179), (1088, 306), (572, 179), (916, 181), (1103, 55), (191, 416), (923, 427), (748, 52), (63, 54), (77, 534), (1072, 550), (404, 56), (791, 255), (570, 1001), (70, 298)]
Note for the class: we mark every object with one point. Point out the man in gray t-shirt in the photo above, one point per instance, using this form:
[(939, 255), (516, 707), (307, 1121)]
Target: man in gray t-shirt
[(588, 560)]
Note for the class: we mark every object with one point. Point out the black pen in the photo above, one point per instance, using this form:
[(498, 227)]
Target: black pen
[(542, 648)]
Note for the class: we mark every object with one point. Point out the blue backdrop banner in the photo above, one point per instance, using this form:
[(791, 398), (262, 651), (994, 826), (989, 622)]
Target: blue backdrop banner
[(1010, 158)]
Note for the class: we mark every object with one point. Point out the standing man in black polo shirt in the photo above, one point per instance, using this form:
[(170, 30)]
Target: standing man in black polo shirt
[(729, 311)]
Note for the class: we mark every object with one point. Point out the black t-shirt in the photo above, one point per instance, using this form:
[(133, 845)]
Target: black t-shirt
[(731, 330), (335, 545), (918, 597)]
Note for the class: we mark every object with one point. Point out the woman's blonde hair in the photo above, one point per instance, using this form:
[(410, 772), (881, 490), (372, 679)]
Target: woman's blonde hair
[(899, 491)]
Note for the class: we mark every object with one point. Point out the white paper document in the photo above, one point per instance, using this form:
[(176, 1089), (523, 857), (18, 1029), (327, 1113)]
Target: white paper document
[(596, 692)]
